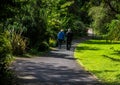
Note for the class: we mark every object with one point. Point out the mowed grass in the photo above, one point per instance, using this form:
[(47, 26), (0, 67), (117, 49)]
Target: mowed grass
[(100, 58)]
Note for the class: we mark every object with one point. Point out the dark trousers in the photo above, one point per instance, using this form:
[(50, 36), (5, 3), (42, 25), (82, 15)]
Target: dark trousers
[(68, 45), (60, 43)]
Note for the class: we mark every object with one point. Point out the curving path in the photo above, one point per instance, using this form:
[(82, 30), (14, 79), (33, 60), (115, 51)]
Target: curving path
[(58, 67)]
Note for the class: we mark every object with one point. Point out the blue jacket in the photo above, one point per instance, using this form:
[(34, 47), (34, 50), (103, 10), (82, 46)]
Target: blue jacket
[(61, 35)]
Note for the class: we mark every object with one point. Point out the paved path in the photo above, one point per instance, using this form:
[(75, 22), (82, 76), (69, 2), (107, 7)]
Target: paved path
[(58, 67)]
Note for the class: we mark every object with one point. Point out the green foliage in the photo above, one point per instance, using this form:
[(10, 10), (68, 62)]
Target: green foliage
[(10, 8), (104, 20), (113, 6), (57, 16), (30, 23), (52, 42), (100, 19), (40, 20), (114, 30), (5, 52), (18, 44), (79, 28), (67, 4), (43, 46), (8, 78)]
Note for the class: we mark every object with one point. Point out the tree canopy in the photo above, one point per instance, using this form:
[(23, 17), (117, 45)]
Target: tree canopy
[(38, 21)]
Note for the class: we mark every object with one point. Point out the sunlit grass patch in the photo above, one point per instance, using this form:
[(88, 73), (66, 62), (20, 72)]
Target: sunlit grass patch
[(100, 58)]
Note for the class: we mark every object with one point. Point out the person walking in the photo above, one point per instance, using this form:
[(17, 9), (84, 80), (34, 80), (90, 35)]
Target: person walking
[(60, 36), (69, 36)]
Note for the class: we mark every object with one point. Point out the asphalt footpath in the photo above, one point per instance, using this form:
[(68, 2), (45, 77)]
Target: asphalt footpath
[(57, 67)]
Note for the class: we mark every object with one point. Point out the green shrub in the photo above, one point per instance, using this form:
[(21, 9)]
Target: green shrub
[(5, 52), (8, 78), (18, 44), (114, 30), (43, 46), (52, 43), (6, 75), (39, 49), (79, 28)]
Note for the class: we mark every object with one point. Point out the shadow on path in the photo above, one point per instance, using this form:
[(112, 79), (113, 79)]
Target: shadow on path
[(58, 67), (48, 74)]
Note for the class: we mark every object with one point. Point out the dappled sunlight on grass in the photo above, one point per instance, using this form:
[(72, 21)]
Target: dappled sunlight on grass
[(100, 58)]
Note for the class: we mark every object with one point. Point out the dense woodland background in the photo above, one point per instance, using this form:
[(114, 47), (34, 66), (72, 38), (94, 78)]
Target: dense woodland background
[(32, 25)]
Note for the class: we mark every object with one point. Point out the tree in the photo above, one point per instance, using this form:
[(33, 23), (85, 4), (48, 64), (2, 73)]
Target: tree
[(104, 18), (114, 29)]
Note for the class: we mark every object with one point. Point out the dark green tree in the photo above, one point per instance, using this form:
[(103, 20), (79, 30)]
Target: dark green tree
[(105, 17)]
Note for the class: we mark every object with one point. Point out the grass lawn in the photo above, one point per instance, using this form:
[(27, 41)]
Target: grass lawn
[(100, 58)]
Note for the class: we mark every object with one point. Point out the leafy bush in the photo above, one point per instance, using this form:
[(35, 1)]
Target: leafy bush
[(52, 42), (8, 78), (6, 75), (114, 29), (5, 52), (80, 28), (43, 46), (18, 44)]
